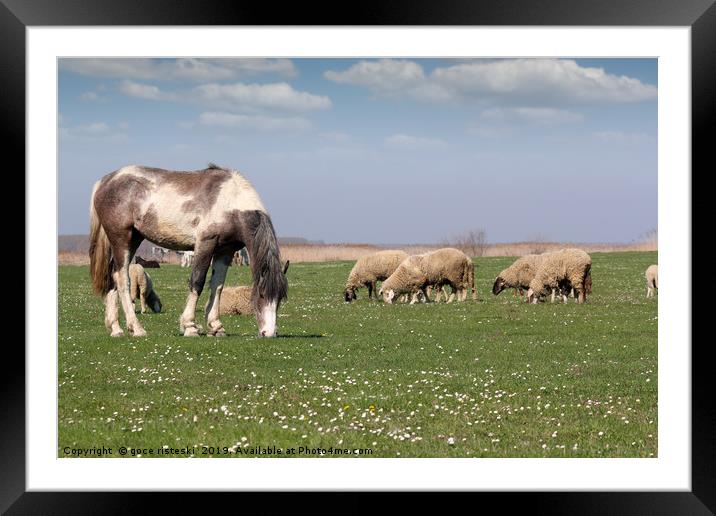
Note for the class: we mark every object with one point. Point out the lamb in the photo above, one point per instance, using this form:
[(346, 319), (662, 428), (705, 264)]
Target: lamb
[(238, 300), (563, 269), (372, 268), (652, 280), (140, 286), (446, 266)]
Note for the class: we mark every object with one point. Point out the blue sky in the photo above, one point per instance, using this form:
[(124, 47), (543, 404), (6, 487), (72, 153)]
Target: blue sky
[(381, 150)]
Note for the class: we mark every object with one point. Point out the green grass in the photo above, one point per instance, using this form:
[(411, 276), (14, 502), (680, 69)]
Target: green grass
[(489, 378)]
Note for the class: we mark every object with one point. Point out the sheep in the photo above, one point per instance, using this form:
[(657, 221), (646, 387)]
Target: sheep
[(241, 257), (446, 266), (140, 286), (372, 268), (652, 280), (237, 300), (561, 270), (518, 275)]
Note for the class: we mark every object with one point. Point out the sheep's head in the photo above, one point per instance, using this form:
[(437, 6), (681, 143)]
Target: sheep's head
[(499, 285), (154, 302), (388, 295), (350, 294)]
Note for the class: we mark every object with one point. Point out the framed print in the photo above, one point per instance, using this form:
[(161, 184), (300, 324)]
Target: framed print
[(458, 139)]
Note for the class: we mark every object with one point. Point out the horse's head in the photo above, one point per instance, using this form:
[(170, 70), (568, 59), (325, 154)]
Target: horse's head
[(268, 299)]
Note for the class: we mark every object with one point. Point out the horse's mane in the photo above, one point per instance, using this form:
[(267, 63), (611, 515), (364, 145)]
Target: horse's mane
[(266, 263), (214, 166)]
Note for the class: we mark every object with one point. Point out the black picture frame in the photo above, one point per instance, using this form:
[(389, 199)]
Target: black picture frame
[(700, 15)]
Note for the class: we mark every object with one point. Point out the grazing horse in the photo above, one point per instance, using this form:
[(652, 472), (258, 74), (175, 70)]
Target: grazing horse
[(147, 264), (213, 212)]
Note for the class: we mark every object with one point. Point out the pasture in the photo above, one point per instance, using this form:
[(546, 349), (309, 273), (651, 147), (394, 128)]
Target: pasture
[(494, 377)]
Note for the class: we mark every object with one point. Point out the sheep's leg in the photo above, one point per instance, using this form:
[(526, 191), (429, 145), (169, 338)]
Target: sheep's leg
[(143, 297), (111, 312), (200, 266), (214, 327), (553, 294), (371, 287)]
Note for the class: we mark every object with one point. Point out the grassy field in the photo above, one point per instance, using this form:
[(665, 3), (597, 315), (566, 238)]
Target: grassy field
[(489, 378)]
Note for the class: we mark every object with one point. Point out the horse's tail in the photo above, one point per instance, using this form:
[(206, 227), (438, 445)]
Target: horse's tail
[(100, 253), (265, 260)]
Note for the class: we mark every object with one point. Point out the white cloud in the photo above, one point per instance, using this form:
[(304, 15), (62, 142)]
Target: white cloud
[(145, 91), (382, 77), (177, 69), (257, 122), (407, 142), (620, 137), (236, 97), (90, 96), (531, 115), (95, 131), (507, 81), (261, 96)]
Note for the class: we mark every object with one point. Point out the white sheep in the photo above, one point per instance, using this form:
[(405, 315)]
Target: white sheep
[(370, 269), (446, 266), (652, 280), (519, 274), (140, 286), (562, 270), (237, 300)]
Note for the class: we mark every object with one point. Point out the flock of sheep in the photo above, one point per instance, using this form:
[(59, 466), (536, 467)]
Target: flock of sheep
[(565, 272)]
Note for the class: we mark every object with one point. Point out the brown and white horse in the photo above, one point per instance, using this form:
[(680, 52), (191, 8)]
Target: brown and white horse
[(214, 212)]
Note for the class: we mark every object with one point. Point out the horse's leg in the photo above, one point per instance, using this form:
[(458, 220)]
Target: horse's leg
[(214, 327), (122, 261), (200, 265), (111, 311), (124, 243)]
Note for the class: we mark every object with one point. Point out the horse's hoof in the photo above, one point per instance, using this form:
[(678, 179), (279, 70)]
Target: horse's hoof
[(117, 333), (191, 331), (139, 332)]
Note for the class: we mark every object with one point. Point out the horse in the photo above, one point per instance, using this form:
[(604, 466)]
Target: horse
[(214, 212), (147, 264), (186, 258)]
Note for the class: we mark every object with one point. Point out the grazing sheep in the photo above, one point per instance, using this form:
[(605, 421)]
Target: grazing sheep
[(561, 270), (241, 257), (140, 286), (187, 258), (518, 275), (372, 268), (446, 266), (652, 280), (147, 264), (237, 300)]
